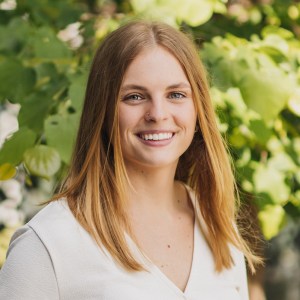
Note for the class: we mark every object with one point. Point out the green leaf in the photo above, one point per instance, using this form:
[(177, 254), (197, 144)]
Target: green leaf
[(46, 72), (141, 6), (264, 86), (261, 131), (234, 98), (47, 46), (77, 91), (194, 12), (265, 90), (218, 61), (237, 139), (7, 171), (269, 180), (294, 102), (14, 35), (282, 162), (14, 148), (34, 110), (56, 13), (272, 219), (42, 161), (284, 33), (50, 81), (16, 80), (60, 132)]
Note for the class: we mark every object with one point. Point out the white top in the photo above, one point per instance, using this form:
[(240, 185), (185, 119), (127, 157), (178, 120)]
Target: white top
[(53, 257)]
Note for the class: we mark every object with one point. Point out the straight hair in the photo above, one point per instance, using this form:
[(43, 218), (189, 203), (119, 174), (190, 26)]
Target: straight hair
[(95, 186)]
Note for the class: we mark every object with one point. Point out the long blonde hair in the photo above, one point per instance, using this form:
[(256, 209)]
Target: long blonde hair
[(95, 186)]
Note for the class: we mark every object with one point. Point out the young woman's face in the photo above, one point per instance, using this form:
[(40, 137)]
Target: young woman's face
[(157, 115)]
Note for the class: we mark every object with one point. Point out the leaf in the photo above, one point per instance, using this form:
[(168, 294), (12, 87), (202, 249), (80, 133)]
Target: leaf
[(282, 162), (234, 98), (265, 90), (47, 46), (284, 33), (14, 148), (55, 13), (277, 42), (194, 12), (218, 62), (269, 180), (141, 6), (7, 171), (271, 218), (46, 72), (60, 132), (50, 81), (34, 110), (16, 80), (77, 91), (294, 102), (233, 62), (237, 139), (261, 131), (42, 161), (14, 36)]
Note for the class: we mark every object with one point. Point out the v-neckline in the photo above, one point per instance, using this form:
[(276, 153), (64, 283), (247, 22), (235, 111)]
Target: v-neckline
[(155, 270)]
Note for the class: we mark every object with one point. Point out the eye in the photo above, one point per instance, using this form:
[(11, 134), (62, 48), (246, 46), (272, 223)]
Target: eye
[(132, 97), (177, 95)]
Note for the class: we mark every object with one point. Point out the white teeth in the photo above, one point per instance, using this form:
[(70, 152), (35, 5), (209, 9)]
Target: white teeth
[(156, 136)]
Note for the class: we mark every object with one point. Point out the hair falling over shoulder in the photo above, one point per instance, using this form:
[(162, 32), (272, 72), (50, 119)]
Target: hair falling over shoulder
[(95, 186)]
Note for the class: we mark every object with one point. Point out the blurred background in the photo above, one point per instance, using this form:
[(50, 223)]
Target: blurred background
[(252, 52)]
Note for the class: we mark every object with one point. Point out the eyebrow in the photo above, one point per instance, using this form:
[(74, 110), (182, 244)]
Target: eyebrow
[(142, 88)]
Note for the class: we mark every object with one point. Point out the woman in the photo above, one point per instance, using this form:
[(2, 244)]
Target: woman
[(148, 208)]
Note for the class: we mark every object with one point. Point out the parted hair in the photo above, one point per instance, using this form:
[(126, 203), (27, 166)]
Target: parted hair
[(95, 186)]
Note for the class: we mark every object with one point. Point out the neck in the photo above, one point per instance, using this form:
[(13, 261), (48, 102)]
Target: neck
[(153, 189)]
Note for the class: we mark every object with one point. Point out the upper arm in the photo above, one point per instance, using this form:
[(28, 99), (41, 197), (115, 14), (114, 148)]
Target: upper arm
[(28, 271)]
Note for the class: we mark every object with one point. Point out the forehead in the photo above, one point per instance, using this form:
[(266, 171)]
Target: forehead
[(155, 66)]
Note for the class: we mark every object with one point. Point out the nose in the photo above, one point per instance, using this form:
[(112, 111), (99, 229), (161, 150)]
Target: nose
[(157, 110)]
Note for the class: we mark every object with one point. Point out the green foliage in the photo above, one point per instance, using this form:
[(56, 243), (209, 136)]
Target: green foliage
[(252, 54), (12, 73), (7, 171), (192, 12), (60, 132), (14, 148), (42, 161)]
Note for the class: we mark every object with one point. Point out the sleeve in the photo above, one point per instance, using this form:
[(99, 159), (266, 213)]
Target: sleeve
[(28, 271), (242, 276)]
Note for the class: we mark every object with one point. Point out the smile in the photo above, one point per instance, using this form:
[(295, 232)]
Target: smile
[(156, 136)]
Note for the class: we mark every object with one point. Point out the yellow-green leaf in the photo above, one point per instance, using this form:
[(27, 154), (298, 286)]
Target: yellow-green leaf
[(271, 218), (42, 161), (7, 171), (269, 180)]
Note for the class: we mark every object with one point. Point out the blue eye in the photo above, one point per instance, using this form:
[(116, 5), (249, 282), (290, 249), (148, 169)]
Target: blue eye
[(177, 95), (133, 97)]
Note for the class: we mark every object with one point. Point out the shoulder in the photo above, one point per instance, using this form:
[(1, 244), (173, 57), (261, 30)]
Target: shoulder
[(56, 211), (60, 232), (28, 271), (54, 223)]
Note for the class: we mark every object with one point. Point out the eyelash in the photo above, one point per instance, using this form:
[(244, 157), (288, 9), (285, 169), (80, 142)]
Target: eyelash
[(130, 97), (133, 97), (182, 95)]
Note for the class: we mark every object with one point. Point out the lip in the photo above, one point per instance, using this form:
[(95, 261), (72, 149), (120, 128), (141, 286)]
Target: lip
[(156, 143), (155, 131)]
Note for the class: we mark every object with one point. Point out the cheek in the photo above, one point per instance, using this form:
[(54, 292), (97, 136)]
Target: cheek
[(189, 118), (127, 119)]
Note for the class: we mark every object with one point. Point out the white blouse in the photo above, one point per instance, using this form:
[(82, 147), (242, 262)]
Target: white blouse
[(53, 257)]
